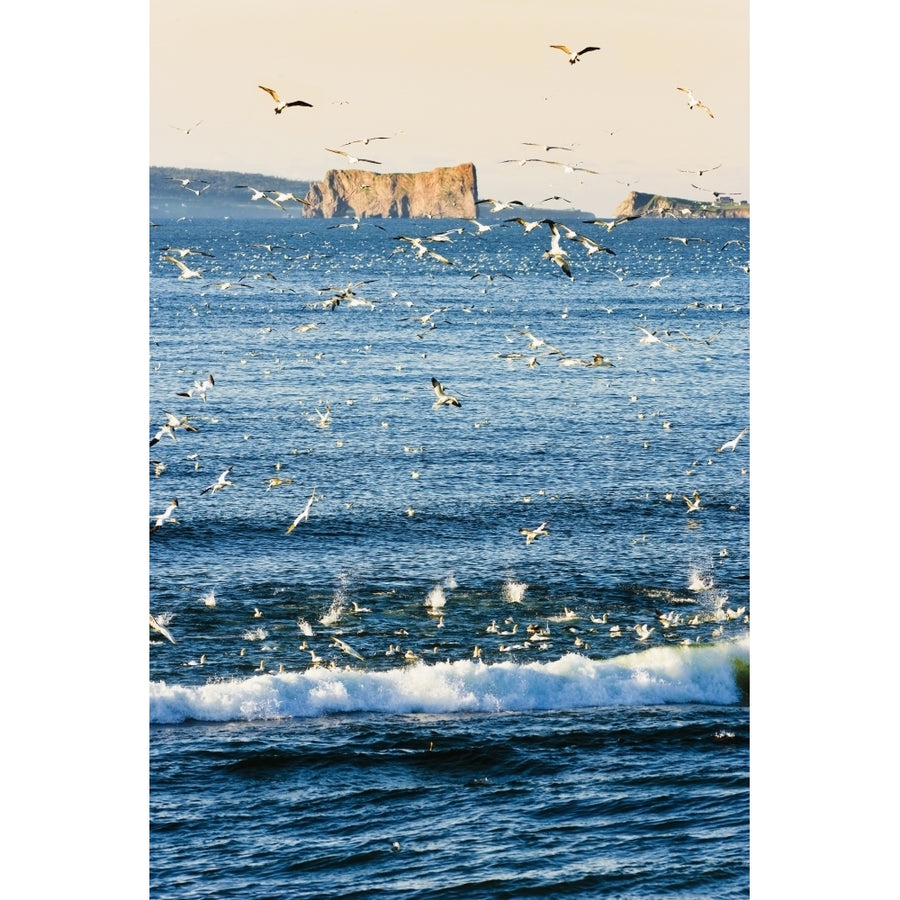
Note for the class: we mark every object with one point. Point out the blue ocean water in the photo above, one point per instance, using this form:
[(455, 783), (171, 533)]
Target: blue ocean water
[(402, 695)]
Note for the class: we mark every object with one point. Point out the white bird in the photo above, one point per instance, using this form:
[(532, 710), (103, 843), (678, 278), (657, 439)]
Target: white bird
[(732, 444), (590, 245), (643, 631), (528, 226), (546, 148), (186, 272), (684, 240), (609, 224), (498, 205), (304, 515), (221, 482), (693, 504), (346, 648), (280, 105), (366, 140), (556, 253), (442, 396), (166, 516), (574, 57), (156, 626), (353, 159), (532, 534), (199, 387), (694, 103), (255, 193), (700, 171)]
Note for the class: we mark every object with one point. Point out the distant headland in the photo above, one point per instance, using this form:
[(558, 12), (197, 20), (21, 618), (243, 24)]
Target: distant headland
[(442, 193)]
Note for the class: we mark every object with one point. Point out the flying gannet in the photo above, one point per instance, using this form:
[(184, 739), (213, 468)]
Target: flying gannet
[(280, 105), (609, 224), (694, 103), (532, 534), (353, 159), (498, 205), (573, 56), (221, 482), (166, 516), (443, 397), (186, 272)]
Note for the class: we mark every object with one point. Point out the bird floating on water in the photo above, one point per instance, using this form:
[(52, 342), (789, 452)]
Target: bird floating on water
[(280, 105), (574, 56)]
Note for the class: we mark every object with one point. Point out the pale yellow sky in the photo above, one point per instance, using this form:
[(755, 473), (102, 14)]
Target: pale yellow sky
[(468, 81)]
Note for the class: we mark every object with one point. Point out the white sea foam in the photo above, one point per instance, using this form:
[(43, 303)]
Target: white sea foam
[(514, 591), (657, 675), (436, 598)]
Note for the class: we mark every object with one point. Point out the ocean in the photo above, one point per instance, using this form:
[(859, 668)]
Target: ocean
[(407, 649)]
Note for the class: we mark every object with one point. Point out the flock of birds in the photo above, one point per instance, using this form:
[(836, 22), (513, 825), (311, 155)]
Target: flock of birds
[(561, 237)]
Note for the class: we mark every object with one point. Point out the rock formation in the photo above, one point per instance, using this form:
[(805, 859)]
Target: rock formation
[(445, 193), (637, 203)]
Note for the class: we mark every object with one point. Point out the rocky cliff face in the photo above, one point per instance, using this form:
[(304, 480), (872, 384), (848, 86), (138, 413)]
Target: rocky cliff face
[(637, 203), (446, 193)]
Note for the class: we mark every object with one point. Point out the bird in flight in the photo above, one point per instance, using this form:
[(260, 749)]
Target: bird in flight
[(684, 240), (573, 56), (732, 444), (442, 396), (609, 224), (186, 272), (366, 140), (717, 194), (694, 103), (556, 253), (280, 105), (545, 147), (693, 504), (532, 534), (199, 387), (354, 159), (221, 482), (187, 130), (165, 516), (498, 206), (304, 515), (700, 171)]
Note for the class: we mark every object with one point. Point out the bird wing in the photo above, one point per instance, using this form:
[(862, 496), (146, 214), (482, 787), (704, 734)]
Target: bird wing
[(587, 50), (274, 94), (562, 47), (298, 103)]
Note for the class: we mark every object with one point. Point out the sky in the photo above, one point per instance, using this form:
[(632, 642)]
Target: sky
[(470, 81)]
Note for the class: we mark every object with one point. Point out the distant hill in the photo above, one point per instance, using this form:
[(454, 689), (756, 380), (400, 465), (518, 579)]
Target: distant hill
[(643, 204), (219, 197)]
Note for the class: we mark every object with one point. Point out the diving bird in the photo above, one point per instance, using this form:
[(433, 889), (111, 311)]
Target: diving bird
[(442, 396), (573, 56), (304, 515), (166, 516), (280, 105), (353, 159), (532, 534), (556, 253), (156, 626), (220, 483), (694, 103), (347, 648), (732, 444)]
